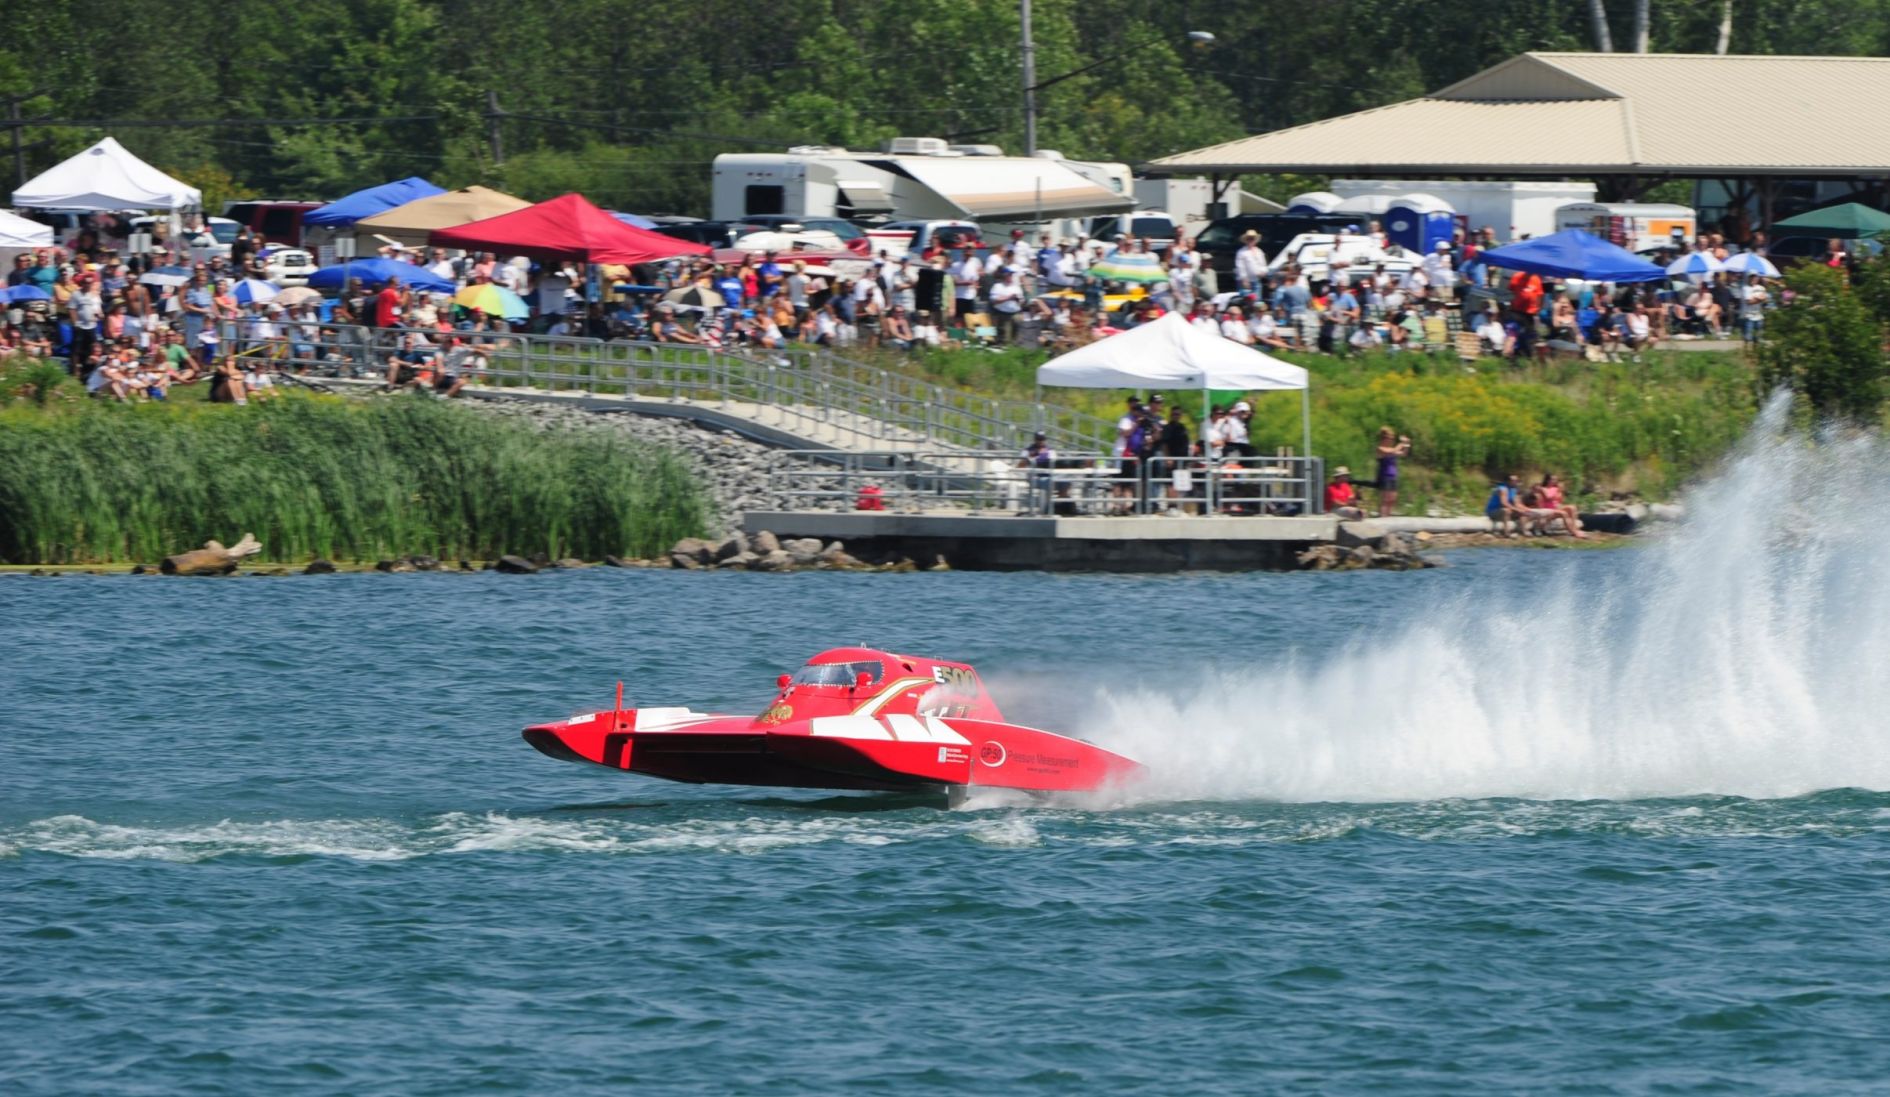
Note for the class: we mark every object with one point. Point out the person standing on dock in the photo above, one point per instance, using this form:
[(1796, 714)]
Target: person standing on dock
[(1391, 446)]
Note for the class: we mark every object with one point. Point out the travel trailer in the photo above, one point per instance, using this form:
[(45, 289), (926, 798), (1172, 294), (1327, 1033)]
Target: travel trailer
[(1636, 226), (916, 178)]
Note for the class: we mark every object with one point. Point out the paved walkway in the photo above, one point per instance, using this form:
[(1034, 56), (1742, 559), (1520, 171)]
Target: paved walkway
[(787, 426)]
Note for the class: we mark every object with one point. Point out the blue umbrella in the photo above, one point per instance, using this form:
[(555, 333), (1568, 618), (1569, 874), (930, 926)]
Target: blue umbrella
[(1751, 262), (24, 293), (252, 291), (632, 220), (1695, 264), (1573, 253), (373, 272)]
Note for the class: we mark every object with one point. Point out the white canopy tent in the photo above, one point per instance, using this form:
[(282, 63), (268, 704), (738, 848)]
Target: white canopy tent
[(1171, 353), (19, 236), (106, 177), (18, 232)]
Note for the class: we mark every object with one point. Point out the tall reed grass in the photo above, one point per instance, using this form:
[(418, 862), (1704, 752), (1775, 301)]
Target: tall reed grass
[(321, 476)]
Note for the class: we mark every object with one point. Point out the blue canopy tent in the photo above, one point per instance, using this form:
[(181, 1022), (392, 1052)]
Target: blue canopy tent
[(343, 212), (1573, 253), (373, 272)]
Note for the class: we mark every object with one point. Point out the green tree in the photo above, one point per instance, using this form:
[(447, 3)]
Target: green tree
[(1826, 346)]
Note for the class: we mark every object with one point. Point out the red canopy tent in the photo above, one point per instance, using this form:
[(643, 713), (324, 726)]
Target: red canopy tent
[(568, 227)]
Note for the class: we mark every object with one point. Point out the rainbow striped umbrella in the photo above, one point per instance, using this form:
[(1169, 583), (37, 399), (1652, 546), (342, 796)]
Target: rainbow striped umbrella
[(1125, 267), (493, 301)]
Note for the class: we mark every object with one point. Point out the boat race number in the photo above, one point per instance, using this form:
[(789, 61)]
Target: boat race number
[(991, 753), (956, 688)]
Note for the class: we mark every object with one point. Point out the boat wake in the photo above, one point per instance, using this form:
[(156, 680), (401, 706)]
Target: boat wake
[(1747, 653)]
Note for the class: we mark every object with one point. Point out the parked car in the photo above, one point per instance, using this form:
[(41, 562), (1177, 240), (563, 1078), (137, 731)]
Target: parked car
[(847, 231), (1221, 239), (900, 237), (288, 266), (277, 222), (211, 243), (716, 234), (1153, 225)]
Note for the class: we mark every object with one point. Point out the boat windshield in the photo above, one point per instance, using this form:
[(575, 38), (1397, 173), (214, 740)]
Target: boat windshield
[(834, 674)]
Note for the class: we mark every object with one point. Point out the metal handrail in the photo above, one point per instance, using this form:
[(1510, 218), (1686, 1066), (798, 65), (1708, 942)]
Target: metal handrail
[(1081, 484), (810, 388)]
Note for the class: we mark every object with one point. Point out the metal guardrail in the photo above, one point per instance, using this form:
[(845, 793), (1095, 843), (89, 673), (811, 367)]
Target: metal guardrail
[(811, 388), (1085, 484)]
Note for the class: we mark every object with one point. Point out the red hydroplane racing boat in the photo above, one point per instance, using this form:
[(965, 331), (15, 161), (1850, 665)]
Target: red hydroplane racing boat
[(852, 718)]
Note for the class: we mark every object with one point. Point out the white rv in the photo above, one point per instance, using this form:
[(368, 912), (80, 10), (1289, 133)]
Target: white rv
[(916, 178)]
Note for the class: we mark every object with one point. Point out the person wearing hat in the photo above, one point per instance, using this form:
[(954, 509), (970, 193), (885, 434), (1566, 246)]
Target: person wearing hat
[(1236, 430), (1342, 498), (86, 312)]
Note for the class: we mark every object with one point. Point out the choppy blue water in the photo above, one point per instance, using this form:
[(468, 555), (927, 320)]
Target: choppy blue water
[(282, 836)]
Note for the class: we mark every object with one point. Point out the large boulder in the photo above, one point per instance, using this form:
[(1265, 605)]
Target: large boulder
[(735, 545), (739, 560), (398, 564), (777, 560), (805, 551), (424, 563), (840, 559), (319, 567), (695, 548), (763, 543), (515, 565)]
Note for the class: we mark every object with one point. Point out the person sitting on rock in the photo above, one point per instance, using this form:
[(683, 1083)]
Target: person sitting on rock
[(1504, 508), (1342, 497), (1550, 506), (406, 366)]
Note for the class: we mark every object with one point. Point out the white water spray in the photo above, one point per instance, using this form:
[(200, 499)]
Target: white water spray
[(1747, 654)]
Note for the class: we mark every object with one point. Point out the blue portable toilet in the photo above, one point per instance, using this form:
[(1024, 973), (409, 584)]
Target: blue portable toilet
[(1417, 222), (1314, 201)]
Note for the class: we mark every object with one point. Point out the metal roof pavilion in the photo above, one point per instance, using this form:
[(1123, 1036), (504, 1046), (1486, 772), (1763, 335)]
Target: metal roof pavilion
[(1635, 118)]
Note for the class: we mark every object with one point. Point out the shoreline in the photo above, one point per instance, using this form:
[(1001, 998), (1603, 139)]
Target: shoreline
[(1435, 542)]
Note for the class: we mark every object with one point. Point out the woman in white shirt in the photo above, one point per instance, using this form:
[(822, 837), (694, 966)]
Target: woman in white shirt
[(1265, 330), (1250, 263)]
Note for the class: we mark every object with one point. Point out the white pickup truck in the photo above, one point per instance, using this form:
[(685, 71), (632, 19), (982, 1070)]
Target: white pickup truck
[(1314, 252), (900, 237)]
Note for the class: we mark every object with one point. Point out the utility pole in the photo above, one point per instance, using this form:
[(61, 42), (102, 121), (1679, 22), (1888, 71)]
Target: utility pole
[(493, 116), (1030, 80)]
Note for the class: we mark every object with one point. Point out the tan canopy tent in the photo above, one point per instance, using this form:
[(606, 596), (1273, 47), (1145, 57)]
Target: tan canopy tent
[(410, 224)]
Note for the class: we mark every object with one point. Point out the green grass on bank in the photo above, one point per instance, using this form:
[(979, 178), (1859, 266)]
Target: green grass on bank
[(93, 482), (1629, 427)]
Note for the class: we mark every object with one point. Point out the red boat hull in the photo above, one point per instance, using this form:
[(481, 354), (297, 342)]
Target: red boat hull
[(923, 724)]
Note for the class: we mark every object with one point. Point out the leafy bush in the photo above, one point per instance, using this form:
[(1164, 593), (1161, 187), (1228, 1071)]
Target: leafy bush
[(1827, 345)]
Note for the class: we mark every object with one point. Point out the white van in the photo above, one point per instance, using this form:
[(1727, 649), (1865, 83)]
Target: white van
[(1636, 226)]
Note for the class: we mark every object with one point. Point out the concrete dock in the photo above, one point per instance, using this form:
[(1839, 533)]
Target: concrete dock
[(1148, 543)]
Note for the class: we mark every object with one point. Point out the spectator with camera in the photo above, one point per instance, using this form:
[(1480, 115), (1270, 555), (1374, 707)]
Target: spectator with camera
[(1391, 448)]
